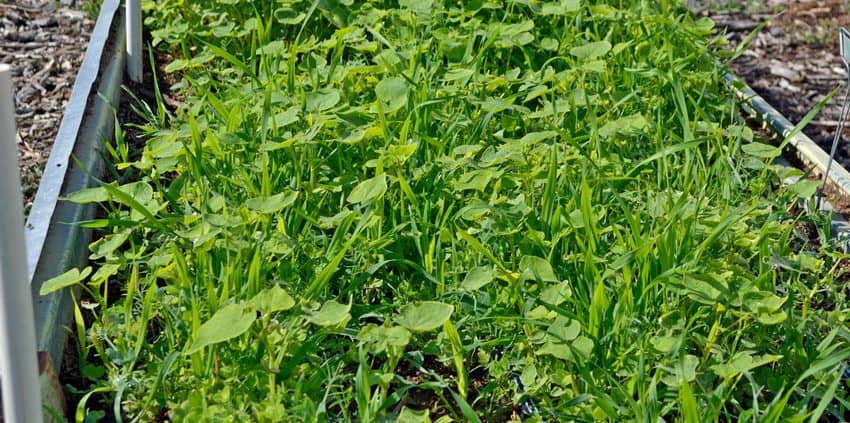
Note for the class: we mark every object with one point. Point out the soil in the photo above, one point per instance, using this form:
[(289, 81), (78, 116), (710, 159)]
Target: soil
[(44, 42)]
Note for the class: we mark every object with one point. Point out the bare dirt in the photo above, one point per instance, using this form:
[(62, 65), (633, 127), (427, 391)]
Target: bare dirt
[(44, 42)]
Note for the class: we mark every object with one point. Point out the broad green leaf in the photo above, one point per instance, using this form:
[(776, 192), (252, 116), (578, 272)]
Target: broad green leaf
[(105, 271), (369, 189), (556, 294), (627, 125), (286, 118), (410, 416), (89, 195), (322, 100), (288, 16), (422, 7), (272, 203), (594, 66), (477, 278), (760, 150), (69, 278), (804, 188), (106, 245), (272, 299), (664, 344), (560, 8), (476, 179), (564, 329), (532, 138), (228, 322), (592, 50), (274, 48), (533, 268), (379, 338), (392, 93), (331, 313), (741, 362), (425, 316)]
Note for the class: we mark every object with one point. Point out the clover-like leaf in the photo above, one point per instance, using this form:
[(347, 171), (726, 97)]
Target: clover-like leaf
[(272, 203), (69, 278), (369, 189), (330, 313), (272, 299), (392, 93), (425, 316)]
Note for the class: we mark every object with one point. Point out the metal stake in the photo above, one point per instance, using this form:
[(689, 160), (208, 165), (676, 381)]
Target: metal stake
[(18, 365), (133, 12), (844, 46)]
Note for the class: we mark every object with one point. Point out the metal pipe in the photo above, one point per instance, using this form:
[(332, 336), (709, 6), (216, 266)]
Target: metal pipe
[(18, 365), (134, 39)]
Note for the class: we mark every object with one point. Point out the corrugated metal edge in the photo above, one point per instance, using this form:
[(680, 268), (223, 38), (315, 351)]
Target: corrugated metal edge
[(57, 165), (55, 241)]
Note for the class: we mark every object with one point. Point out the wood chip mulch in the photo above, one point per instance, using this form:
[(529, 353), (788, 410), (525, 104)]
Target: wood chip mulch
[(44, 42), (794, 61)]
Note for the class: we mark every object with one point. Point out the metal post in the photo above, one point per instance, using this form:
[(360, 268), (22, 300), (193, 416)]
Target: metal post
[(18, 366), (844, 47), (133, 15)]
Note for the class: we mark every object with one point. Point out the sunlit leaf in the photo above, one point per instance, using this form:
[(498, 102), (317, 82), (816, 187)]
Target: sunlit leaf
[(69, 278), (369, 189), (228, 322), (425, 316)]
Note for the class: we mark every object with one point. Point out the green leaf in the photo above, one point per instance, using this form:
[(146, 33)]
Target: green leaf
[(564, 329), (560, 8), (477, 278), (272, 203), (627, 125), (274, 48), (89, 195), (556, 294), (288, 16), (228, 322), (392, 93), (69, 278), (410, 416), (369, 189), (664, 344), (760, 150), (379, 338), (422, 7), (742, 362), (592, 50), (804, 188), (477, 179), (534, 268), (425, 316), (322, 100), (272, 299), (331, 313)]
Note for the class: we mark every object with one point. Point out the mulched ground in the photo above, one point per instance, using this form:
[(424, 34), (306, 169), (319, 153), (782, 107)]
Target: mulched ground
[(44, 42), (794, 61)]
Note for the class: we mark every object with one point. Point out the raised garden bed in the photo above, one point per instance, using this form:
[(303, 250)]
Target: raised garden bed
[(422, 210)]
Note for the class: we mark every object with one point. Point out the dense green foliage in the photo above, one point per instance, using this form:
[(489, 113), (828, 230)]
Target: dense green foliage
[(367, 209)]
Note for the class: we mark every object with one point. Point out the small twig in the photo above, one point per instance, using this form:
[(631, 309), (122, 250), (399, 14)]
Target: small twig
[(38, 76)]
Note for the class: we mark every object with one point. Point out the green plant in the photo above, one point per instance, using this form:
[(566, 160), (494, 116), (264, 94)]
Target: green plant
[(375, 210)]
